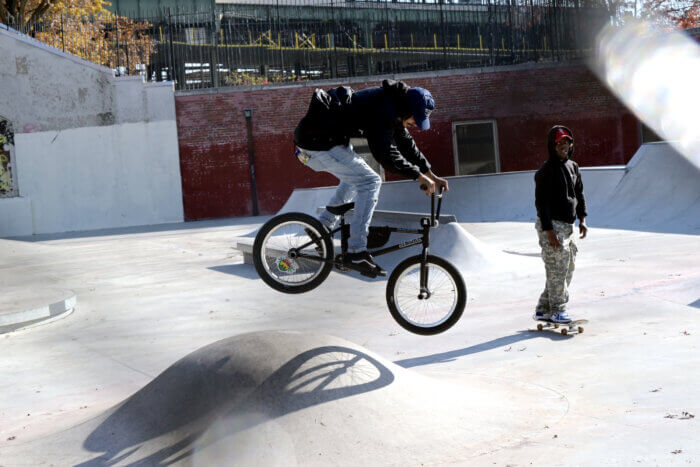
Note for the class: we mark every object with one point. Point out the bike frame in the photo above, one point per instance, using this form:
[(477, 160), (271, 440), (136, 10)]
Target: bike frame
[(426, 224)]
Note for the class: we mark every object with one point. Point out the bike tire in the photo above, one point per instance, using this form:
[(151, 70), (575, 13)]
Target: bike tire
[(398, 282), (263, 239)]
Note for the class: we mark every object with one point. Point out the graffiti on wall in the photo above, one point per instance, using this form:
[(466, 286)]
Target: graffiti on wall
[(7, 142)]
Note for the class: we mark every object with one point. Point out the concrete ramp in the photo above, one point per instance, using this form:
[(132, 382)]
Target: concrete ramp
[(660, 192), (503, 197), (291, 398)]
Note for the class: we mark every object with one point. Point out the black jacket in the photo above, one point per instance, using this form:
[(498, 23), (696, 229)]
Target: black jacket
[(558, 187), (336, 115)]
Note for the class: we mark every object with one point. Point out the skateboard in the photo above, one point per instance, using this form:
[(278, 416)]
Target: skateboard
[(566, 328)]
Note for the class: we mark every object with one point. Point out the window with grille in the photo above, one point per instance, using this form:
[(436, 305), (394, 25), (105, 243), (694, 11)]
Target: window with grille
[(475, 147)]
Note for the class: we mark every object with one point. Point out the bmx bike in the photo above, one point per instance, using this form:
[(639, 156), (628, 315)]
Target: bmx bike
[(294, 253)]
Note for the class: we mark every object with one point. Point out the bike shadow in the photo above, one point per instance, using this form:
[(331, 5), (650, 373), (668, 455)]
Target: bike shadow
[(452, 355), (177, 408)]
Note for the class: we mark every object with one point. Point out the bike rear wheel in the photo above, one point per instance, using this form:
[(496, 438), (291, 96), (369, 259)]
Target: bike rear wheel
[(431, 313), (277, 245)]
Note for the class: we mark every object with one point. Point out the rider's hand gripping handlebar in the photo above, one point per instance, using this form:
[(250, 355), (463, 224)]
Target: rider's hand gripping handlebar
[(434, 216)]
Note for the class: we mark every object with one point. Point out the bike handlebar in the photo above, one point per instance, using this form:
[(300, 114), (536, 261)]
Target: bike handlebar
[(434, 217)]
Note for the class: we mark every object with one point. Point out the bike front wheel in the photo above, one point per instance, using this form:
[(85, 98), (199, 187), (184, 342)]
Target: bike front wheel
[(278, 246), (430, 311)]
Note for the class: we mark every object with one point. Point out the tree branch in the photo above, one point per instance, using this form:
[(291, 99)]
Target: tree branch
[(4, 13), (40, 10)]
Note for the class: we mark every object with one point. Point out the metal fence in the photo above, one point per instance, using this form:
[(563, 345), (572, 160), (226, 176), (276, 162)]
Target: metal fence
[(247, 43)]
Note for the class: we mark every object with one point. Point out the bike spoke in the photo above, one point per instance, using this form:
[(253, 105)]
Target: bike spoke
[(433, 310)]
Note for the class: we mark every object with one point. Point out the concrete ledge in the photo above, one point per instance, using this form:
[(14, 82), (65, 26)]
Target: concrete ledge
[(380, 218), (21, 308)]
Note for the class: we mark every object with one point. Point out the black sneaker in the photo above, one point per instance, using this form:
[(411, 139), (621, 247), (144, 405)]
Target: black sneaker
[(363, 262), (316, 239)]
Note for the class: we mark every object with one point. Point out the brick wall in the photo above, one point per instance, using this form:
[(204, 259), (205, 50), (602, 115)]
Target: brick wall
[(524, 101)]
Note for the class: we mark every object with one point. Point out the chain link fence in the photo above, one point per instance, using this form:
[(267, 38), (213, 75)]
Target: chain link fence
[(246, 43)]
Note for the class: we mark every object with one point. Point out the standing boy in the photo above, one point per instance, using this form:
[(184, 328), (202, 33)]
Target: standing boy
[(559, 201)]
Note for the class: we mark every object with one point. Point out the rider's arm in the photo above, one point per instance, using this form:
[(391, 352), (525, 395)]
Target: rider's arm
[(408, 149), (383, 148)]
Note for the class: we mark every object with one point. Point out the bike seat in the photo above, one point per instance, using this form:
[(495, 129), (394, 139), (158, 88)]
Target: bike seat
[(340, 209)]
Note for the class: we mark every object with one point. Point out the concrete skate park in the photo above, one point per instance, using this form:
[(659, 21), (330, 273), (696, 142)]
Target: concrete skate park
[(160, 345)]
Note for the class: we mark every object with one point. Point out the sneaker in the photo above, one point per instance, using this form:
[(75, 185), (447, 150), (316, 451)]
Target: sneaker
[(316, 239), (561, 318), (542, 316), (363, 262)]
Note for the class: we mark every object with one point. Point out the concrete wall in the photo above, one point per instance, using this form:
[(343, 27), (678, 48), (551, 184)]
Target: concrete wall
[(91, 151), (524, 101)]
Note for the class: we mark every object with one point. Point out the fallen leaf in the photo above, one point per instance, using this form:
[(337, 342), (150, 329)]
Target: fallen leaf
[(508, 349), (555, 436), (11, 438), (677, 451), (656, 390)]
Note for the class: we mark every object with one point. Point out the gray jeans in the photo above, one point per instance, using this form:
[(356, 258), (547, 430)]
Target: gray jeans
[(358, 182)]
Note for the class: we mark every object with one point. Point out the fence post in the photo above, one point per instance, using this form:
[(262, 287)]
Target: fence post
[(444, 38), (492, 59), (171, 53), (63, 40), (214, 55), (116, 25)]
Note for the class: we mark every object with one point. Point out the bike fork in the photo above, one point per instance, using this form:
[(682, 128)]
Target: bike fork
[(424, 292)]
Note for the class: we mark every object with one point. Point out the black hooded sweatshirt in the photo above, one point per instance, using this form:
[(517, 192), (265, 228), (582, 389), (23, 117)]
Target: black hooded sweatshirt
[(376, 113), (558, 187)]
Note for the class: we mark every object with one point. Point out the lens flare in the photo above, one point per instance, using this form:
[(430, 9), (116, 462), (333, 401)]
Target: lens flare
[(657, 75)]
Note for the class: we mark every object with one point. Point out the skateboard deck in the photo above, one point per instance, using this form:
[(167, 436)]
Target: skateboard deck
[(575, 326)]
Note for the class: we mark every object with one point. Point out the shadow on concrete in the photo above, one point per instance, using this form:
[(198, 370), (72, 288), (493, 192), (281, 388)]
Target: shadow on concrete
[(492, 344), (246, 271), (695, 304), (189, 396)]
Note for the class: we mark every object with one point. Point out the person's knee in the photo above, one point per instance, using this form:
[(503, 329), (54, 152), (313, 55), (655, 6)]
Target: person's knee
[(371, 182)]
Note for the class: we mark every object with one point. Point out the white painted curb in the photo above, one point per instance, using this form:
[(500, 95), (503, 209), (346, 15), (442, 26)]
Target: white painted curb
[(20, 309)]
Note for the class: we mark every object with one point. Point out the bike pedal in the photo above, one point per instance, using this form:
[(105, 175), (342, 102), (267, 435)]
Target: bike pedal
[(368, 274)]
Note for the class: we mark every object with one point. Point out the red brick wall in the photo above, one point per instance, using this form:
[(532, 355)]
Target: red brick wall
[(525, 103)]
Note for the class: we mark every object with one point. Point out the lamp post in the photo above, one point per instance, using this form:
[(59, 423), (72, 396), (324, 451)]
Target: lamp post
[(248, 113)]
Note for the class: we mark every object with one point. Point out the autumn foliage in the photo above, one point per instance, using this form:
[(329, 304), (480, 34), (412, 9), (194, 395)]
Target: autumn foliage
[(84, 28)]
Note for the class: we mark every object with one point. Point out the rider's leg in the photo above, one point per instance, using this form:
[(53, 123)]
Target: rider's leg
[(345, 193), (366, 183), (354, 175)]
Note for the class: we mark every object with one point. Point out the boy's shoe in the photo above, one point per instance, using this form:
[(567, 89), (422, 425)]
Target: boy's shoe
[(560, 318), (542, 316), (316, 239), (363, 262)]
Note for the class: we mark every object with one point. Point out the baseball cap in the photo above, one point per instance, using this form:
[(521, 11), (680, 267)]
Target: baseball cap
[(561, 134), (422, 104)]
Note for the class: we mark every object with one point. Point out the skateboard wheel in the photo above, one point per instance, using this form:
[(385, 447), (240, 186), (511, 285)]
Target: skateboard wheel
[(580, 330), (564, 331), (539, 327), (556, 326)]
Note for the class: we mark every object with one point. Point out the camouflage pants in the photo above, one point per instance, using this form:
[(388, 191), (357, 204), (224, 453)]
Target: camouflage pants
[(559, 266)]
